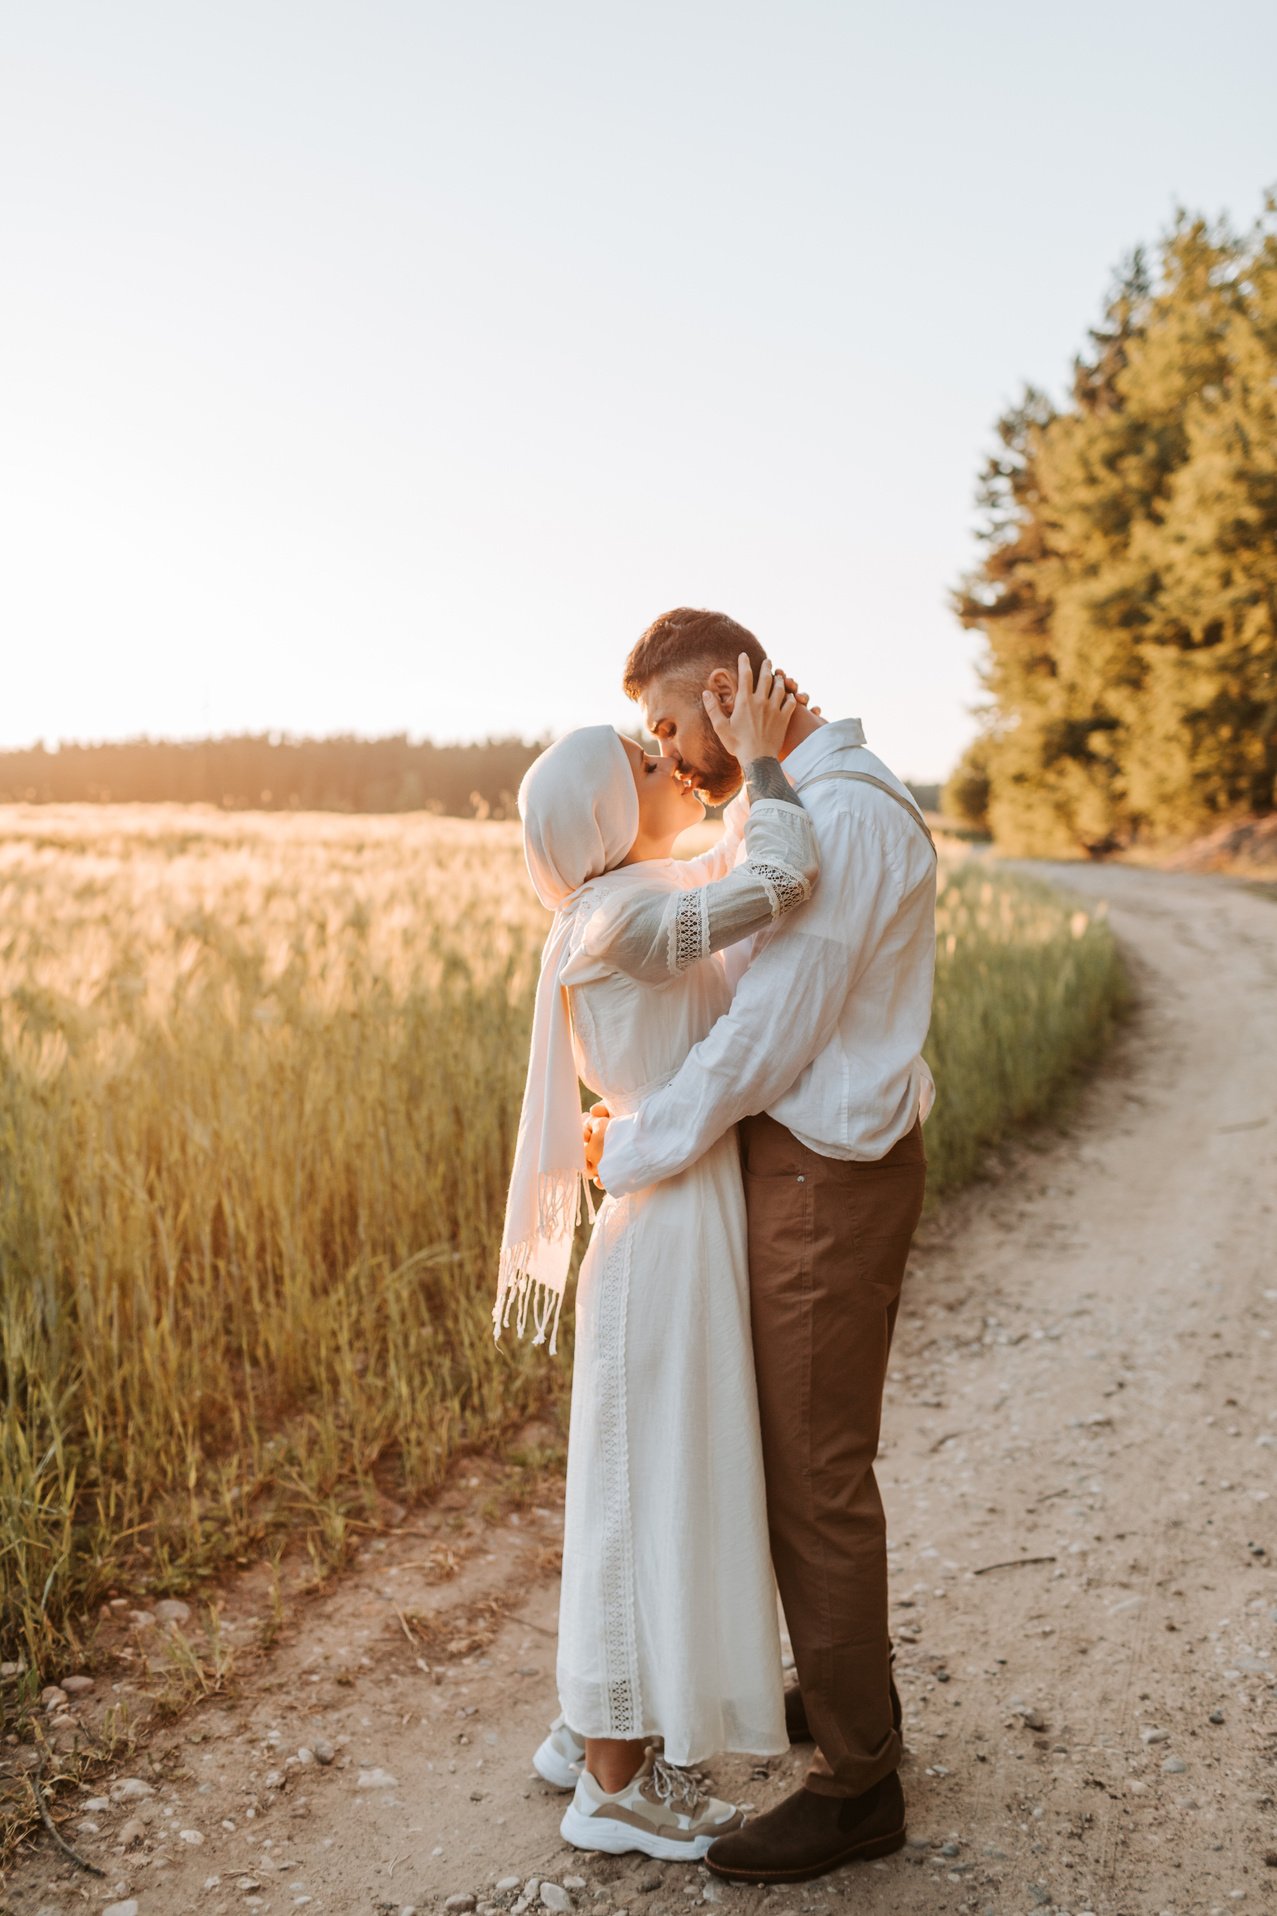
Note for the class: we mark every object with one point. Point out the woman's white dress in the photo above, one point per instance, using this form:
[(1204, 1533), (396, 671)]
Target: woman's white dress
[(668, 1616)]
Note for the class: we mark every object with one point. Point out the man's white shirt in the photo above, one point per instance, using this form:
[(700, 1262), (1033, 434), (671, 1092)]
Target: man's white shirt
[(830, 1005)]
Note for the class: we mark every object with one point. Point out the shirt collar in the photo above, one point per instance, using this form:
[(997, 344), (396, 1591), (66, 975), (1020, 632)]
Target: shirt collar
[(836, 735)]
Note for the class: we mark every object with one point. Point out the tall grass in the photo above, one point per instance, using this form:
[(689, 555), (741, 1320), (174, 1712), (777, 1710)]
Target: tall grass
[(259, 1077), (1028, 984)]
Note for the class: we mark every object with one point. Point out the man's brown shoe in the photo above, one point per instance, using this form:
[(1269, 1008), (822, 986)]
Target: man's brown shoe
[(796, 1713), (808, 1835)]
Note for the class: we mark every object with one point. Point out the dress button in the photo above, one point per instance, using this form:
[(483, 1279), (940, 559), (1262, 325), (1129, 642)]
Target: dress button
[(801, 1178)]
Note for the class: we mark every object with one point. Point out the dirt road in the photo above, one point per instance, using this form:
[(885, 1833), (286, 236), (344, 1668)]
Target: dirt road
[(1082, 1391)]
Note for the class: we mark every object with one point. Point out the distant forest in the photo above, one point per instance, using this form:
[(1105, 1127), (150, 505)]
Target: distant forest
[(270, 772), (267, 772)]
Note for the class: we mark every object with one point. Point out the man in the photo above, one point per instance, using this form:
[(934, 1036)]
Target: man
[(819, 1061)]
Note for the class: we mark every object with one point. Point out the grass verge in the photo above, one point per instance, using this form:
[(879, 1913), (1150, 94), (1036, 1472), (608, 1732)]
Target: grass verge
[(258, 1085)]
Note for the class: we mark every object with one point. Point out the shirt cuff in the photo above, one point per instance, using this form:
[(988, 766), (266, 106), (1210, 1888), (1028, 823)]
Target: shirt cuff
[(618, 1172)]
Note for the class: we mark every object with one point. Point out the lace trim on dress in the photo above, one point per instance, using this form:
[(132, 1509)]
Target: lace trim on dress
[(784, 887), (623, 1698), (689, 930)]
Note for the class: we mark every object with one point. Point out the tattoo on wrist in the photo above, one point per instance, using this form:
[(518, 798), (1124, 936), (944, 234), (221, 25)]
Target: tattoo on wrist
[(764, 779)]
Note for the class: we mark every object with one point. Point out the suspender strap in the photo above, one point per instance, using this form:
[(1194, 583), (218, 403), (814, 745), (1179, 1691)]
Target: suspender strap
[(867, 778)]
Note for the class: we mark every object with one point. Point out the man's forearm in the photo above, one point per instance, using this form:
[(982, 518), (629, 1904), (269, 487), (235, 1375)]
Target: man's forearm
[(786, 1010), (742, 1067)]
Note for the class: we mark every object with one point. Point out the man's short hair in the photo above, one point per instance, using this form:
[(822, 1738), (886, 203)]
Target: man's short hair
[(688, 644)]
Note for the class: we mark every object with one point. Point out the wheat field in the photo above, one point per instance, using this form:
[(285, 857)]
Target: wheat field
[(259, 1078)]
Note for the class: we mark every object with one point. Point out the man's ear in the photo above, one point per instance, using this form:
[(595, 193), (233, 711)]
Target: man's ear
[(723, 686)]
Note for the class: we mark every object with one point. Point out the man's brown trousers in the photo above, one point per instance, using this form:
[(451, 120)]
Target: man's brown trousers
[(828, 1242)]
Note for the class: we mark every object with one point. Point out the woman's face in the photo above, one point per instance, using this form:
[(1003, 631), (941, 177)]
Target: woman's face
[(667, 805)]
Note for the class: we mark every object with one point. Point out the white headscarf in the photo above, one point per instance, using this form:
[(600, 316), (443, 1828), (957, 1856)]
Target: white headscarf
[(580, 817)]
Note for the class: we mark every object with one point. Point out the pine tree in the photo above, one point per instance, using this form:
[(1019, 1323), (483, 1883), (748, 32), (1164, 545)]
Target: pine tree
[(1127, 586)]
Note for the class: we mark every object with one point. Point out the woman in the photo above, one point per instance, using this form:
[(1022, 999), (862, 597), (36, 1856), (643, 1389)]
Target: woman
[(667, 1622)]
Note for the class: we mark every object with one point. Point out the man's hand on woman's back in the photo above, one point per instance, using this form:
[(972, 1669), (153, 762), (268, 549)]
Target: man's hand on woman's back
[(594, 1123)]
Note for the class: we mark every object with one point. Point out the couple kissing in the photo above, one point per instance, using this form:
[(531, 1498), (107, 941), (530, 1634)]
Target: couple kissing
[(750, 1025)]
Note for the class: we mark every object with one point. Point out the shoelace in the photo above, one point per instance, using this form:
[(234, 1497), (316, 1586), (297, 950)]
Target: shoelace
[(672, 1785)]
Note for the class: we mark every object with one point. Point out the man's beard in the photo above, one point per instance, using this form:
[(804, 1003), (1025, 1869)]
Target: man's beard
[(713, 771)]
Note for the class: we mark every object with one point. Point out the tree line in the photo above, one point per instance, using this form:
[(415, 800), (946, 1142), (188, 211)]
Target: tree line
[(267, 771), (1126, 582)]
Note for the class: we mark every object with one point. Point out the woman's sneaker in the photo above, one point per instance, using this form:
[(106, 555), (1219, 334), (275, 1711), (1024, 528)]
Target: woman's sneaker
[(561, 1757), (664, 1811)]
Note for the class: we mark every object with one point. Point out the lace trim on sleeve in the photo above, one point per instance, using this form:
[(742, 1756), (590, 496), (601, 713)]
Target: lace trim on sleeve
[(785, 887), (689, 930)]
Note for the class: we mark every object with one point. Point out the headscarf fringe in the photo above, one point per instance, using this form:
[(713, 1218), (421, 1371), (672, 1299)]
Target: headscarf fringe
[(558, 1214)]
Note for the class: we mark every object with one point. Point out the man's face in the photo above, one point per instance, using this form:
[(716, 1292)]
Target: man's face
[(674, 715)]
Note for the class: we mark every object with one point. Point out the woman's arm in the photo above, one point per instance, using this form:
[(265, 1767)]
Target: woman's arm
[(655, 935)]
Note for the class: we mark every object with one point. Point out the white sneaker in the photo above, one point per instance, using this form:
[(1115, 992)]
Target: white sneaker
[(664, 1811), (561, 1758)]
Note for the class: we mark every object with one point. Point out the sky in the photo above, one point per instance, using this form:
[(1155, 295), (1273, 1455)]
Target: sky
[(389, 366)]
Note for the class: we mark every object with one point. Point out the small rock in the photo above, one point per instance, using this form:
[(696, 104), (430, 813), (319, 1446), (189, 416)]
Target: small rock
[(574, 1882), (1216, 1716), (141, 1619), (1155, 1736), (375, 1780), (1174, 1766), (651, 1880), (77, 1685), (248, 1884), (459, 1903), (128, 1789), (556, 1898), (132, 1832), (948, 1849), (173, 1610), (276, 1779), (126, 1908), (506, 1884), (305, 1757), (324, 1751), (96, 1803), (193, 1837), (52, 1697), (1033, 1718)]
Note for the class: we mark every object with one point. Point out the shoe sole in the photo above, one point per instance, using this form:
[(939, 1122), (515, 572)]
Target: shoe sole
[(615, 1839), (858, 1853), (555, 1769)]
